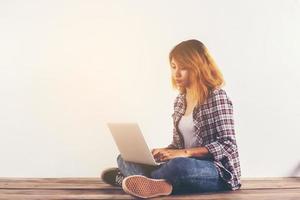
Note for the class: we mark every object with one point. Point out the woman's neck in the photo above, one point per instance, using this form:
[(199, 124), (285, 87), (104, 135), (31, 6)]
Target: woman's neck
[(189, 97)]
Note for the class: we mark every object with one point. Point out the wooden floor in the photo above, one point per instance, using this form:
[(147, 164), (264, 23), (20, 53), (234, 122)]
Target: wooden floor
[(94, 188)]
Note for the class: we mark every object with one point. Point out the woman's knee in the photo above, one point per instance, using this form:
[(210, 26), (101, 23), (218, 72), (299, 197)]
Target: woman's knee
[(180, 161), (171, 169), (180, 165)]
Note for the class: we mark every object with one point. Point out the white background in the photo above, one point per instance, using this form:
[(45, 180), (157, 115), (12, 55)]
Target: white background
[(68, 67)]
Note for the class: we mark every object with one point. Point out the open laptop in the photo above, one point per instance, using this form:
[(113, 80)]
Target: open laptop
[(131, 143)]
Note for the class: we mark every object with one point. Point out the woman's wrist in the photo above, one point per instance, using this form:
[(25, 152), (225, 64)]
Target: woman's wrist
[(196, 152), (187, 152)]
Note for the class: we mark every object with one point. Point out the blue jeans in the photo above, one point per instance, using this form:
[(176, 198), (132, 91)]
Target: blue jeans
[(185, 174)]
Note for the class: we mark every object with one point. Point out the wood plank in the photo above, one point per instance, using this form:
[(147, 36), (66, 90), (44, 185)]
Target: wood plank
[(64, 197), (270, 183), (96, 183), (264, 194), (14, 194), (244, 195), (55, 183), (94, 188)]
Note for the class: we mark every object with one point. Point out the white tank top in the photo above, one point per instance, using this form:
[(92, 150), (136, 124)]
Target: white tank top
[(186, 128)]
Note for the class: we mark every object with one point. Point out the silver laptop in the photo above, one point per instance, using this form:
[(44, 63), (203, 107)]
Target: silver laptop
[(131, 143)]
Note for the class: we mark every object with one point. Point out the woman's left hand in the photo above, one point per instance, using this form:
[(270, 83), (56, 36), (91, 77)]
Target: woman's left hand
[(167, 154)]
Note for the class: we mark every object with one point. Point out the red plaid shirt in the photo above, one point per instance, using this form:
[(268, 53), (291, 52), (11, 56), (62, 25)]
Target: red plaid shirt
[(214, 129)]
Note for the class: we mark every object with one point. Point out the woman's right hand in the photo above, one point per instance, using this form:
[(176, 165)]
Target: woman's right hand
[(156, 150)]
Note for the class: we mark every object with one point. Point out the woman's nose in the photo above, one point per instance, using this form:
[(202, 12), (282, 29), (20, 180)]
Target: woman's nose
[(177, 73)]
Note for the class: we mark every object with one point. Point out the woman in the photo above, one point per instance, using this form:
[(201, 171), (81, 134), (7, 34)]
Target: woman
[(203, 156)]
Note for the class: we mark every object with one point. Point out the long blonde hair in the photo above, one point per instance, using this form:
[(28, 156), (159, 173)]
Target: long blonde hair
[(205, 76)]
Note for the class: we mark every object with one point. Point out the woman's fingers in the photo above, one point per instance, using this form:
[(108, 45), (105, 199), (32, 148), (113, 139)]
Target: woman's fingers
[(156, 156), (154, 151), (164, 157), (161, 156)]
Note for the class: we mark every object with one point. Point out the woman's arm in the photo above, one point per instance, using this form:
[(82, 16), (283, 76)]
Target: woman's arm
[(201, 152), (164, 154), (225, 144)]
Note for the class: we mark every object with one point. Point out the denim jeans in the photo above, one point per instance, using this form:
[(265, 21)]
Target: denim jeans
[(185, 174)]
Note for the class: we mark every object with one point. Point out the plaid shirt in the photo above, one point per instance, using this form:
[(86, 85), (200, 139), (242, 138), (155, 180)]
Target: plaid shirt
[(214, 129)]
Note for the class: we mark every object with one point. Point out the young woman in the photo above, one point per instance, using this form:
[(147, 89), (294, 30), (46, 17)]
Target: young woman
[(203, 156)]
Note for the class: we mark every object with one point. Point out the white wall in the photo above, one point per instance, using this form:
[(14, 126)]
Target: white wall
[(67, 67)]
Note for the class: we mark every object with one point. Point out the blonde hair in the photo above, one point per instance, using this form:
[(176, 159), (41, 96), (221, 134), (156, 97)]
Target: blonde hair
[(204, 74)]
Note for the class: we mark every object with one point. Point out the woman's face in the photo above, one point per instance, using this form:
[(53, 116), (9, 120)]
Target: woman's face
[(180, 74)]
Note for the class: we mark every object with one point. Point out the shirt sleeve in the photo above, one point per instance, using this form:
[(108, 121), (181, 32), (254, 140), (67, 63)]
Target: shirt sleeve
[(225, 143)]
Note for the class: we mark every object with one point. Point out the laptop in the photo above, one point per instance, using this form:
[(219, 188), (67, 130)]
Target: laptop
[(131, 143)]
